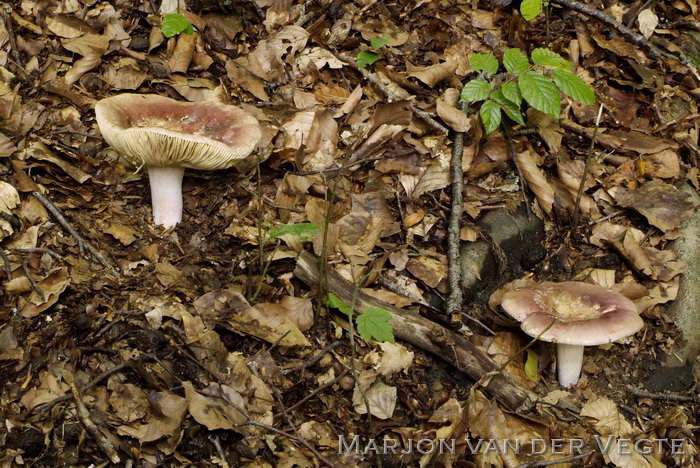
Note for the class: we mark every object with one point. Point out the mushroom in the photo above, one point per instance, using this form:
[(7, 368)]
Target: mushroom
[(168, 136), (572, 315)]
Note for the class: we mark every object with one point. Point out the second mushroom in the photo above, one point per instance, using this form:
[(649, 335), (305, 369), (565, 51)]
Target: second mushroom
[(168, 136), (572, 315)]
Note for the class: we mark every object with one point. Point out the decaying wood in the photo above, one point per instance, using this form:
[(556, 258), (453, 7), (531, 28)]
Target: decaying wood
[(427, 335)]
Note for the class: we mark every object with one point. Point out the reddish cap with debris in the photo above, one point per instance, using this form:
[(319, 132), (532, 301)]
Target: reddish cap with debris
[(158, 131), (583, 314)]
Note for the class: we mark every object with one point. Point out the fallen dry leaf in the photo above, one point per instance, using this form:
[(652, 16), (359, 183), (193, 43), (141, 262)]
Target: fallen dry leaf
[(662, 204)]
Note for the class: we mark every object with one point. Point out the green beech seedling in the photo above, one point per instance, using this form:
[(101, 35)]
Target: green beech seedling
[(538, 84), (531, 8), (174, 24), (367, 57), (373, 324)]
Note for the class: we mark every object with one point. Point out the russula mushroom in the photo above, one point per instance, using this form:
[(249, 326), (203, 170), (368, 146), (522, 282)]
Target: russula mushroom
[(168, 136), (580, 314)]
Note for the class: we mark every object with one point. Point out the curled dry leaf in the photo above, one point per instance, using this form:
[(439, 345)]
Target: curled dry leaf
[(455, 118), (217, 407), (9, 347), (648, 21), (434, 74), (182, 55), (165, 419), (9, 197), (664, 164), (6, 146), (662, 204), (92, 47), (395, 358), (381, 398), (429, 270), (608, 419), (536, 179), (52, 286)]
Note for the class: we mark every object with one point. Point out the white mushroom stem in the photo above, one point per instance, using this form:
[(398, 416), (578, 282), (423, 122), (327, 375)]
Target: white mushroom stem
[(569, 362), (166, 194)]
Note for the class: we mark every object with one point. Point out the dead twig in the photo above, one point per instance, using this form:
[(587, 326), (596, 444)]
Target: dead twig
[(17, 58), (6, 264), (586, 169), (633, 37), (409, 326), (662, 396), (372, 78), (50, 404), (71, 132), (84, 415), (511, 149), (40, 251), (32, 281), (557, 461), (455, 301), (318, 390), (357, 163), (313, 360), (82, 243)]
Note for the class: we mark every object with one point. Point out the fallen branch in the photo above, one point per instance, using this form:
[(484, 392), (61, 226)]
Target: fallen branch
[(632, 36), (455, 300), (419, 331)]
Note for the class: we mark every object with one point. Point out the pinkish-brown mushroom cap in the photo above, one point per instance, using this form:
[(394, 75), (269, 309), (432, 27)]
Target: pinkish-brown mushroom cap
[(583, 314), (158, 131)]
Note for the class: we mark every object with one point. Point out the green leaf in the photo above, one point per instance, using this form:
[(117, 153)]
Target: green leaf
[(547, 58), (335, 302), (379, 42), (515, 61), (572, 86), (174, 24), (366, 57), (540, 93), (490, 115), (302, 230), (486, 62), (530, 8), (511, 109), (475, 90), (531, 365), (511, 91), (374, 324)]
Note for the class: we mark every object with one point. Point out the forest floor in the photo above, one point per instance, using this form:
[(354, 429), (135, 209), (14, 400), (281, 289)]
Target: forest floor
[(125, 343)]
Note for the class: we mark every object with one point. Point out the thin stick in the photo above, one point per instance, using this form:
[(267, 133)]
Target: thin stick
[(82, 243), (84, 415), (633, 37), (6, 265), (50, 404), (314, 360), (455, 301), (357, 163), (318, 390), (71, 132), (586, 168), (556, 462), (41, 251), (6, 10), (662, 396), (32, 281), (372, 78), (511, 148)]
